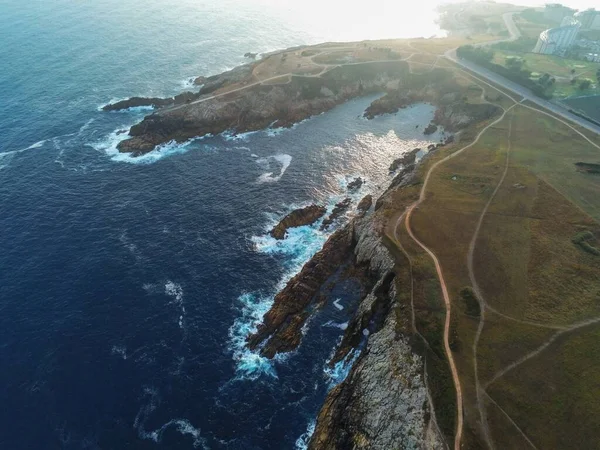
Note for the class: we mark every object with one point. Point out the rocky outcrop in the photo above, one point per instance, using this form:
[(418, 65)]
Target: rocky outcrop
[(383, 403), (459, 115), (430, 129), (281, 328), (405, 160), (390, 103), (135, 102), (298, 218), (365, 204), (258, 106), (339, 209), (355, 184), (355, 249), (250, 55)]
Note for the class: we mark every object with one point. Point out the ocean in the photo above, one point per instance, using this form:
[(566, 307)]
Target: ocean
[(128, 285)]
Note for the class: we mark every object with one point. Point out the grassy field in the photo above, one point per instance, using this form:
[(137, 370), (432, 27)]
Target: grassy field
[(559, 68), (530, 266)]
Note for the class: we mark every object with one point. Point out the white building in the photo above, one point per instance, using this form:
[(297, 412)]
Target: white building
[(590, 19), (558, 40)]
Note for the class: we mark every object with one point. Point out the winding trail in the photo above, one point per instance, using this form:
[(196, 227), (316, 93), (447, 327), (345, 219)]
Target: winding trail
[(544, 346), (479, 296), (446, 296)]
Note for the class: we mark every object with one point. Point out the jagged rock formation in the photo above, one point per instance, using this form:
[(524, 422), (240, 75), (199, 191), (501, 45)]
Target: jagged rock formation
[(405, 160), (297, 218), (430, 129), (365, 204), (339, 209), (134, 102), (282, 324), (258, 106), (382, 404), (355, 184)]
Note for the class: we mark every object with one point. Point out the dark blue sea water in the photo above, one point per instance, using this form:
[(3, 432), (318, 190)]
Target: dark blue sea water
[(128, 286)]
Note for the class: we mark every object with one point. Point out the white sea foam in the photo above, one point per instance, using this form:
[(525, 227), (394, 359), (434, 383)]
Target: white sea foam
[(304, 439), (341, 326), (109, 146), (337, 304), (175, 291), (229, 136), (250, 365), (341, 369), (299, 246), (183, 426), (188, 83), (119, 350), (283, 159)]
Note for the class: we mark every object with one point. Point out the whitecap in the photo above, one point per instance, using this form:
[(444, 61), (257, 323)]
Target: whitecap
[(304, 439), (183, 426), (337, 304), (175, 291), (284, 160), (119, 350), (341, 369), (341, 326), (250, 365), (229, 136), (109, 146)]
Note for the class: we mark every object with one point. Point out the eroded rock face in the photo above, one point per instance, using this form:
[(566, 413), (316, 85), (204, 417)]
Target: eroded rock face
[(298, 218), (383, 402), (135, 102), (282, 324), (459, 115), (339, 209), (257, 106), (405, 160), (355, 184), (365, 204)]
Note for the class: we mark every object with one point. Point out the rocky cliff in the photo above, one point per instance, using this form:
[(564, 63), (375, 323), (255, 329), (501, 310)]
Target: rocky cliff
[(297, 218), (249, 106), (383, 403)]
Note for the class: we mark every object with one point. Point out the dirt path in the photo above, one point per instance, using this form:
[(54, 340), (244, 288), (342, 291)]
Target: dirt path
[(478, 294), (446, 296), (540, 349)]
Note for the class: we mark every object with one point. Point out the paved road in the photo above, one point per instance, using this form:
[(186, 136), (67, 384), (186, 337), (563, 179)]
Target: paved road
[(516, 88)]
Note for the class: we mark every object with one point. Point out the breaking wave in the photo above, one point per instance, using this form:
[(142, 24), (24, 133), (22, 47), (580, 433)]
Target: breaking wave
[(304, 439), (268, 177), (183, 426)]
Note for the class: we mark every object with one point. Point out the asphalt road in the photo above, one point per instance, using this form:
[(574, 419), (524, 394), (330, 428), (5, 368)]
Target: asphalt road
[(516, 88)]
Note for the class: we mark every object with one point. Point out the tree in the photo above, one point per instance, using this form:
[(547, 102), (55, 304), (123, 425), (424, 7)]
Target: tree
[(514, 63), (572, 71), (585, 84)]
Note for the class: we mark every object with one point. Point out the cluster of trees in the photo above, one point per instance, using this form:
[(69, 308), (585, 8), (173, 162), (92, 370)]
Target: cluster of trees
[(514, 69)]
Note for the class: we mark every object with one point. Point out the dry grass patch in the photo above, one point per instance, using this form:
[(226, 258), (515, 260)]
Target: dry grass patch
[(554, 396)]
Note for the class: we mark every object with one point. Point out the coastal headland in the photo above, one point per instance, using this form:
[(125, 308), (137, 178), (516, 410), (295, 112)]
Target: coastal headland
[(477, 267)]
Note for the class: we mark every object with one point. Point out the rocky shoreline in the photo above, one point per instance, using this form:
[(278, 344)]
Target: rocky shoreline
[(236, 102), (383, 402)]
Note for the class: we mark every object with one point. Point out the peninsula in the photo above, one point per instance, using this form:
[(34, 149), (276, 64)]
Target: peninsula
[(478, 267)]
